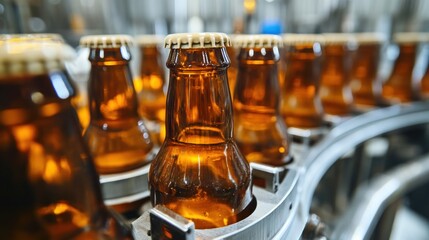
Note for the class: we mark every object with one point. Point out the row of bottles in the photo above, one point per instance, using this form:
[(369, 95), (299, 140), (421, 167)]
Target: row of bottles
[(204, 131), (326, 76), (49, 185)]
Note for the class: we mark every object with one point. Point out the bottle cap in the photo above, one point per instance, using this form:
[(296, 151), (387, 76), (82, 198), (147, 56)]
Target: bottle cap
[(33, 57), (149, 40), (338, 38), (301, 39), (370, 38), (410, 37), (257, 40), (106, 41), (197, 40), (34, 37)]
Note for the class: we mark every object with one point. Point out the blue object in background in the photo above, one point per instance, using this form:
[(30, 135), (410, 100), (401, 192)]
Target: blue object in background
[(271, 27)]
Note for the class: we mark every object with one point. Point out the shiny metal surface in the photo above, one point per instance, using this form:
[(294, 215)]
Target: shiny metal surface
[(366, 208), (352, 132), (116, 188), (271, 219)]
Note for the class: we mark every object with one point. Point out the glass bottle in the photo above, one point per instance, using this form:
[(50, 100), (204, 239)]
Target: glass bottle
[(150, 86), (116, 135), (301, 105), (399, 86), (335, 91), (259, 129), (53, 189), (424, 85), (199, 171), (233, 68), (78, 101), (365, 85)]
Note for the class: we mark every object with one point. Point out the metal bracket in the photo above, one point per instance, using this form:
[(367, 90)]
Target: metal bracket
[(166, 224), (267, 177)]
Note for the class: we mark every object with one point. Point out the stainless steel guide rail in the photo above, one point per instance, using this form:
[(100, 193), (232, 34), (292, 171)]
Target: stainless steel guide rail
[(283, 214), (360, 219)]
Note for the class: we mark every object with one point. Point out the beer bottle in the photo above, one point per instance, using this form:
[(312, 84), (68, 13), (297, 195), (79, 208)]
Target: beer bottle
[(233, 68), (399, 86), (259, 129), (365, 85), (152, 81), (78, 100), (335, 91), (199, 171), (50, 188), (424, 85), (116, 135), (301, 106)]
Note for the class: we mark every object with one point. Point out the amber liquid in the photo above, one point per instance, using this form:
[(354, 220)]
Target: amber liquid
[(199, 182), (364, 84), (150, 91), (399, 86), (259, 129), (301, 106), (233, 69), (119, 146), (63, 221), (335, 91), (260, 136), (424, 85), (152, 105)]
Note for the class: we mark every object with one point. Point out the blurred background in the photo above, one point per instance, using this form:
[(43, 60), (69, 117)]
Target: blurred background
[(74, 18)]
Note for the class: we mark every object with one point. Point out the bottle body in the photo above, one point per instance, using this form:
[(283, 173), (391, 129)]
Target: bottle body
[(335, 91), (365, 86), (233, 68), (151, 95), (259, 130), (116, 135), (398, 88), (55, 191), (199, 171), (424, 85), (301, 105)]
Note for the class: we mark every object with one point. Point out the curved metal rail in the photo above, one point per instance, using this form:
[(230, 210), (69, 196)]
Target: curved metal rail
[(347, 135), (367, 206)]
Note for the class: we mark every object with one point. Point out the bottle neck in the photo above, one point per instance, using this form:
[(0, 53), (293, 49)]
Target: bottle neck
[(303, 68), (257, 80), (338, 61), (198, 100), (110, 89), (404, 64), (151, 69)]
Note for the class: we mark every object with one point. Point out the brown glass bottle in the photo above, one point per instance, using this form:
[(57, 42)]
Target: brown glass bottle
[(335, 91), (301, 106), (365, 85), (199, 171), (259, 129), (233, 68), (151, 94), (424, 85), (399, 88), (116, 135), (50, 188)]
